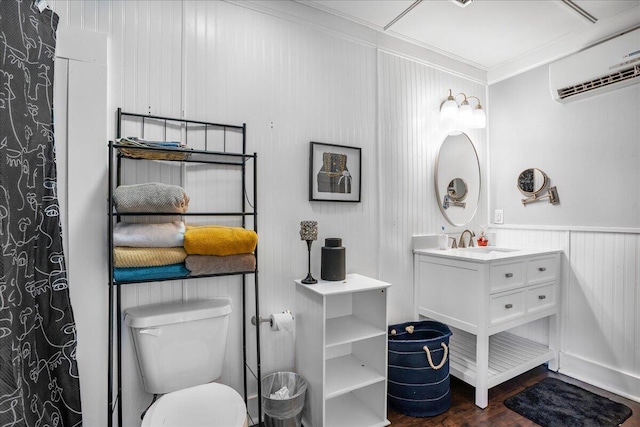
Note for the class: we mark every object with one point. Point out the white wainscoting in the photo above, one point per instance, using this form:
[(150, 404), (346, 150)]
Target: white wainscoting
[(600, 328)]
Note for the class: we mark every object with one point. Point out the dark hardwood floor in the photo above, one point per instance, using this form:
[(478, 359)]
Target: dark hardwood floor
[(464, 413)]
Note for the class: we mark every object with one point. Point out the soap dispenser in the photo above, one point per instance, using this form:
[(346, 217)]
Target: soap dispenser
[(443, 240), (482, 240)]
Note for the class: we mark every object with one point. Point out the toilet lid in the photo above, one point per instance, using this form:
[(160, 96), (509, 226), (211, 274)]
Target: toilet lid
[(210, 404)]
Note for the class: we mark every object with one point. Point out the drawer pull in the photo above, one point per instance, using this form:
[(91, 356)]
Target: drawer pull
[(508, 306), (508, 275), (542, 269), (542, 296)]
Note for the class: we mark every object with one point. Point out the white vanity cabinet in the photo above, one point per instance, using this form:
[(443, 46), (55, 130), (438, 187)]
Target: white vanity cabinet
[(480, 295), (341, 350)]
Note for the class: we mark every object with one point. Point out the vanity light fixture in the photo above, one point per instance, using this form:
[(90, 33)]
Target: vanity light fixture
[(463, 115)]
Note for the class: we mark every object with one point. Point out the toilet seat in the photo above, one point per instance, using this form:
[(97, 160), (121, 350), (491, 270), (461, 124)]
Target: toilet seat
[(211, 404)]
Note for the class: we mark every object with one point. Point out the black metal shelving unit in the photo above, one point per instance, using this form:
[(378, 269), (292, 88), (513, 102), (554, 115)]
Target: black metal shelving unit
[(224, 158)]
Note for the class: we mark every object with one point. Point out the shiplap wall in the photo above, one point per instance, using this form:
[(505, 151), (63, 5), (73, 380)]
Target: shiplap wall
[(291, 84), (410, 94)]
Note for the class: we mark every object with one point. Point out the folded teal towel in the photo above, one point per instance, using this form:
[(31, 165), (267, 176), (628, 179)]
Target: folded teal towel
[(150, 273)]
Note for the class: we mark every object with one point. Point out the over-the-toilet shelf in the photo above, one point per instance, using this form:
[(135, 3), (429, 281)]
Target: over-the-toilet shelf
[(163, 238)]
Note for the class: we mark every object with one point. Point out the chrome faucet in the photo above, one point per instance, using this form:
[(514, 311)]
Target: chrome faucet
[(462, 244)]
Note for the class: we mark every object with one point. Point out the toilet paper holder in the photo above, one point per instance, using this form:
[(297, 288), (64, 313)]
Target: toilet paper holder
[(268, 319)]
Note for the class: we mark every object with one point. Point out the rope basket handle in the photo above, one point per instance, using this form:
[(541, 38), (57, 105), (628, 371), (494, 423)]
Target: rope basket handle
[(444, 358), (409, 329)]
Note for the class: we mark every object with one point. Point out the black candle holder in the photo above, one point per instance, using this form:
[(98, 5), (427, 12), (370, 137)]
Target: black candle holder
[(309, 280), (309, 233)]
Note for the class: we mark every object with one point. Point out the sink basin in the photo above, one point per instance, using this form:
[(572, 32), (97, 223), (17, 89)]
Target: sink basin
[(487, 249)]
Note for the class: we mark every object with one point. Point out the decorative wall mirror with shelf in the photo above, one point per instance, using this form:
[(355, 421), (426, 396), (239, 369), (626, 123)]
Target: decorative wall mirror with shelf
[(457, 179), (456, 193), (532, 182)]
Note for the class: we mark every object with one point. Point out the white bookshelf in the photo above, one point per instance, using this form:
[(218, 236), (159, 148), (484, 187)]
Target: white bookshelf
[(341, 349)]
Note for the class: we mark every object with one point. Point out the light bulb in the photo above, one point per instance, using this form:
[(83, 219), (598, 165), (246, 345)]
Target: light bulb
[(449, 109), (478, 118), (465, 112)]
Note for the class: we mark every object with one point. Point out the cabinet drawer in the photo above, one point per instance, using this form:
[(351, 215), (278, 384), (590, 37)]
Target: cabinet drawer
[(542, 269), (506, 276), (540, 297), (506, 306)]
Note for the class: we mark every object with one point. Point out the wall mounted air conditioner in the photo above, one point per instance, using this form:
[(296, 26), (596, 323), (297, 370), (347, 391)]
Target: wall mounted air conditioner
[(609, 65)]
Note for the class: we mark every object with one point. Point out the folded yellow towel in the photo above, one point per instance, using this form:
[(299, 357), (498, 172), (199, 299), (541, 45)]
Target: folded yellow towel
[(218, 240), (124, 256)]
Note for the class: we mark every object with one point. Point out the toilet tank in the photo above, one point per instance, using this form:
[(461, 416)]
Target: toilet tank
[(179, 344)]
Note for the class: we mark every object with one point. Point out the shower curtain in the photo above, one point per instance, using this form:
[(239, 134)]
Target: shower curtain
[(39, 383)]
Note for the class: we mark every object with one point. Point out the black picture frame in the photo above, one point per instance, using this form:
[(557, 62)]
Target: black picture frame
[(335, 173)]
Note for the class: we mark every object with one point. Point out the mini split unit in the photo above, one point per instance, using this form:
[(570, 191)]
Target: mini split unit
[(609, 65)]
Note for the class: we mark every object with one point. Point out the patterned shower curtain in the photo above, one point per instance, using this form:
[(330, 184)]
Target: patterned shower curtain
[(39, 383)]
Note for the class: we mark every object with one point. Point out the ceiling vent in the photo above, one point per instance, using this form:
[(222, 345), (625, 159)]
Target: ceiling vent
[(461, 3), (610, 65)]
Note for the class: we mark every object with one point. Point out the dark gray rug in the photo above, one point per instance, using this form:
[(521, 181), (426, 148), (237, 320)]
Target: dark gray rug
[(554, 403)]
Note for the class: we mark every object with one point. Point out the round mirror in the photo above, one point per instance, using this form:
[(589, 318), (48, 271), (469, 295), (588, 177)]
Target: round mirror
[(457, 189), (532, 181), (457, 178)]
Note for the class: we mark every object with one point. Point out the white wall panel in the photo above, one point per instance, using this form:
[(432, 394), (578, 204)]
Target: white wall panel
[(243, 66), (410, 94), (603, 308)]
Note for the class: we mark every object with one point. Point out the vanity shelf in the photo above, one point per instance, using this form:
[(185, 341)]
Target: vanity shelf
[(509, 356)]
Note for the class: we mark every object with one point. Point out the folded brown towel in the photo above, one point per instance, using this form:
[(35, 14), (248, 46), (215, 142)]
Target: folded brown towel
[(209, 264)]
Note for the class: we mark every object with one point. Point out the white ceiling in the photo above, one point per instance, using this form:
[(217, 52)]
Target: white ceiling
[(489, 34)]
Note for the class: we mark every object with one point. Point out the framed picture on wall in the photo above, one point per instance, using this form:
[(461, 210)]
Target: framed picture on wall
[(334, 173)]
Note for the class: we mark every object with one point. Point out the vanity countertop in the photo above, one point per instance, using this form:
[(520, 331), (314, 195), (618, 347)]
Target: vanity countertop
[(485, 254)]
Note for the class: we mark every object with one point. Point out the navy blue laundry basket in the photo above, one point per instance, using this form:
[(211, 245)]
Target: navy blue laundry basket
[(418, 383)]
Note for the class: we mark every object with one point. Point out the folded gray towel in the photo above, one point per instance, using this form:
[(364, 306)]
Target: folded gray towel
[(211, 264), (150, 197)]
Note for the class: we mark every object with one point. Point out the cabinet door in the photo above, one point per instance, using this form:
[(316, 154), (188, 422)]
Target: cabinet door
[(449, 291)]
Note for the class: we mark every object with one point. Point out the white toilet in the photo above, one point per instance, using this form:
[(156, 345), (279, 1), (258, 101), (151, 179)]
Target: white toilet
[(180, 350)]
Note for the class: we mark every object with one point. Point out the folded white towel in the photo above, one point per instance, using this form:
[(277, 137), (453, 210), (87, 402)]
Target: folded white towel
[(142, 235)]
